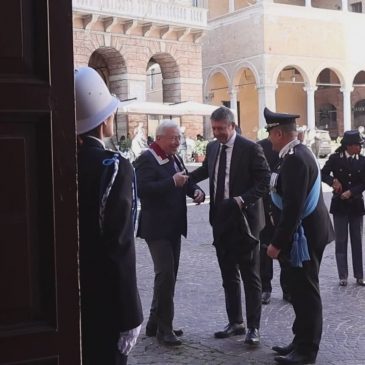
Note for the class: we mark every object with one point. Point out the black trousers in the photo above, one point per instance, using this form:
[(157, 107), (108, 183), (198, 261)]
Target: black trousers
[(307, 304), (103, 354), (232, 272), (267, 272), (343, 224), (165, 255), (266, 263)]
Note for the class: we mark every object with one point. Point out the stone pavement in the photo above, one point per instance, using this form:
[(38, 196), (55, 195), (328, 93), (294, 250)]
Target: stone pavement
[(200, 310)]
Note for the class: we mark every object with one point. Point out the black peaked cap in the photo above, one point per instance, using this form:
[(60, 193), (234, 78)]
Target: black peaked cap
[(276, 119)]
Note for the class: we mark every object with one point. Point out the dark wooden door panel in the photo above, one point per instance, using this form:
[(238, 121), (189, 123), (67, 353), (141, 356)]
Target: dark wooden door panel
[(39, 302), (24, 40), (26, 223)]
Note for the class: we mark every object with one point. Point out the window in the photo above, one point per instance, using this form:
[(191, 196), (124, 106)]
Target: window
[(152, 79), (356, 7), (195, 3)]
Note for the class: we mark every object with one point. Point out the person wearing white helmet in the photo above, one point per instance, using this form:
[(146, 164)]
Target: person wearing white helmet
[(111, 312)]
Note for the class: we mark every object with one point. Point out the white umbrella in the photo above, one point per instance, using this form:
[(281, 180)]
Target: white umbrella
[(144, 107), (193, 108), (178, 109)]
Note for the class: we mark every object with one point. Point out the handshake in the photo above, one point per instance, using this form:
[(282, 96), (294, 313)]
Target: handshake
[(181, 178)]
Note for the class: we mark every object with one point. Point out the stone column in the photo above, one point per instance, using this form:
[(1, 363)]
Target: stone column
[(267, 98), (345, 6), (231, 8), (233, 98), (311, 112), (308, 3), (346, 107)]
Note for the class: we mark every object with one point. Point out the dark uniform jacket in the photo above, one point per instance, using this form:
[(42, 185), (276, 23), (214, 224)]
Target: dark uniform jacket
[(109, 296), (249, 178), (298, 171), (163, 205), (351, 174)]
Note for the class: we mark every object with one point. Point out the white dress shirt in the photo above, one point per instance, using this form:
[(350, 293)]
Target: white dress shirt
[(229, 150)]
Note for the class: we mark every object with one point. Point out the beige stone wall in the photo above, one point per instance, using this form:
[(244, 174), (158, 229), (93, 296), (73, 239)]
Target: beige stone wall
[(217, 8), (234, 41), (268, 38), (292, 99)]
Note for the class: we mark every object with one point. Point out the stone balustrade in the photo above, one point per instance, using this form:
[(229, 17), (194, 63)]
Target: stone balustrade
[(145, 10)]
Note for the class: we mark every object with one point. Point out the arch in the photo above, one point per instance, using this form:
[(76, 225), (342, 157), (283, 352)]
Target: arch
[(244, 88), (290, 95), (112, 67), (334, 69), (329, 105), (211, 73), (359, 114), (286, 65), (170, 72), (359, 79), (327, 119), (245, 65)]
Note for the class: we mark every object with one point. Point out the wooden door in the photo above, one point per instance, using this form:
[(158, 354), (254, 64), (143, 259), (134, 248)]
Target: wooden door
[(39, 314)]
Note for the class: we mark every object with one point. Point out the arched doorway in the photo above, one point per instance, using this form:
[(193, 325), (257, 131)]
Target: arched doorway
[(110, 64), (329, 103), (216, 94), (290, 94), (358, 100), (247, 102), (163, 85), (359, 114), (327, 118)]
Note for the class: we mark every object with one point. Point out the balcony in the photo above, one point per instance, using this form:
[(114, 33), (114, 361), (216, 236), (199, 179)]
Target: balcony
[(144, 11)]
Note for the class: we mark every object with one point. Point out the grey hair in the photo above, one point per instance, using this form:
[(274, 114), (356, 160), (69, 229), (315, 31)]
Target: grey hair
[(165, 124), (222, 114)]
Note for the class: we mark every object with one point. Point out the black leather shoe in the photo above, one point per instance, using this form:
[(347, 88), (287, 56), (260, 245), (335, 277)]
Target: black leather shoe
[(265, 297), (295, 358), (234, 329), (284, 350), (168, 339), (360, 282), (253, 336), (151, 330)]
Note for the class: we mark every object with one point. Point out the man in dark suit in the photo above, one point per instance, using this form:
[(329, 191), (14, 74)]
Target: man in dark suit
[(303, 231), (111, 313), (239, 178), (162, 188), (344, 171), (271, 217)]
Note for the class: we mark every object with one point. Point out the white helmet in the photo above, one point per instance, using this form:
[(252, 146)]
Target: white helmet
[(94, 103)]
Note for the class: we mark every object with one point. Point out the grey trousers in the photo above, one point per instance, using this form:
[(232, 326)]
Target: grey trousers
[(343, 224), (165, 255)]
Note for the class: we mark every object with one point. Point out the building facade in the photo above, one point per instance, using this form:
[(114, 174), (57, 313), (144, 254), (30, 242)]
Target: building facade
[(133, 43), (296, 56)]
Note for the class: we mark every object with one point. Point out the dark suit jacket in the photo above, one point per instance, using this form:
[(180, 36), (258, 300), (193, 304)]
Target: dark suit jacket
[(109, 296), (297, 173), (249, 178), (163, 205), (271, 212), (352, 177)]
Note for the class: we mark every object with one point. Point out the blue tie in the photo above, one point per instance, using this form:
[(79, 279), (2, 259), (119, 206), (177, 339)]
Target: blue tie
[(221, 176)]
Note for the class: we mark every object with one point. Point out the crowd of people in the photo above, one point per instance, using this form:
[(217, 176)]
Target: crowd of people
[(266, 203)]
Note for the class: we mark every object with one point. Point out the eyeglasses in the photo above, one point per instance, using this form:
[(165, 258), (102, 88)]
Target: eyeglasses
[(173, 138)]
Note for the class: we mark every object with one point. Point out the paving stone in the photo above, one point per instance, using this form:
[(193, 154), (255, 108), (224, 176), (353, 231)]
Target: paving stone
[(200, 310)]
